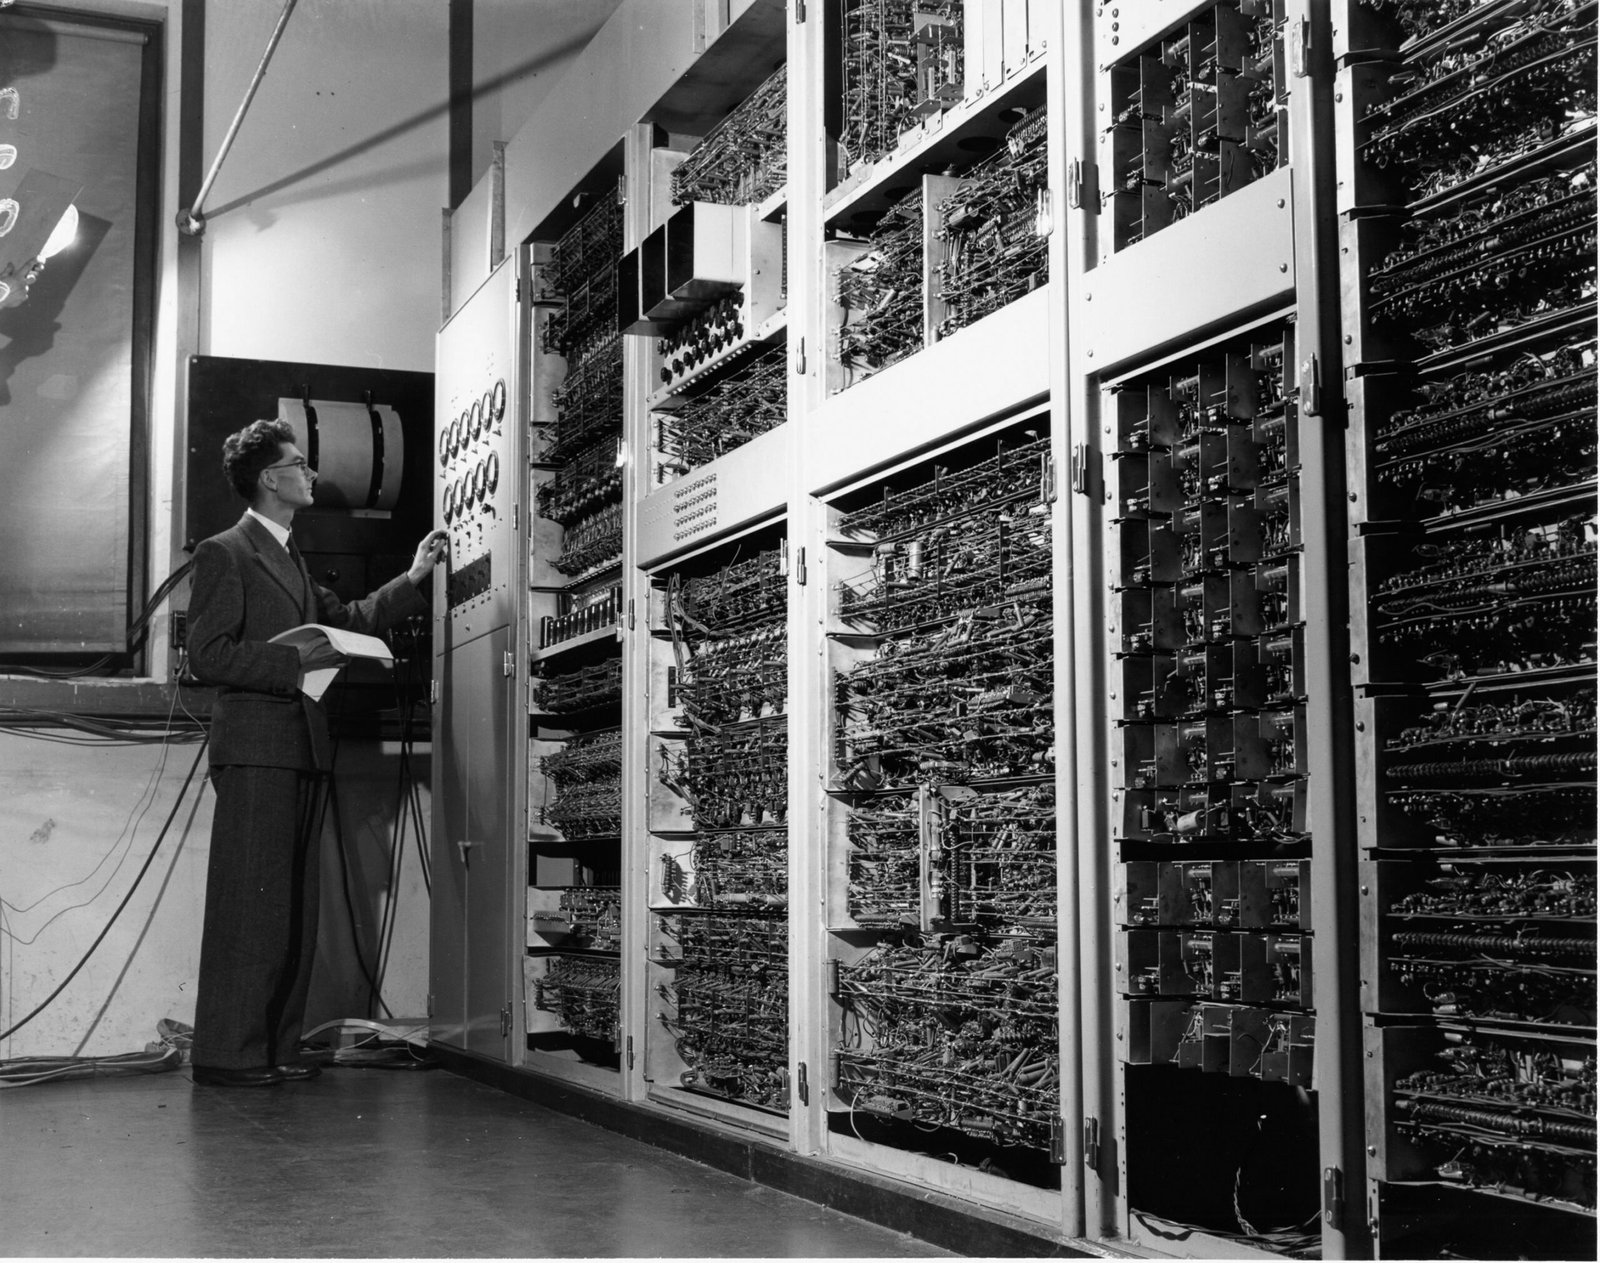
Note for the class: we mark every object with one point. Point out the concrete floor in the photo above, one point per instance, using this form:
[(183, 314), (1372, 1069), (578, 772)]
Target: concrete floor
[(373, 1163)]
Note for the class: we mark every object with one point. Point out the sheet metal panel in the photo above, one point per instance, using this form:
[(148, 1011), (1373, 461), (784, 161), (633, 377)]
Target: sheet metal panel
[(741, 487), (988, 369), (475, 846), (1218, 265)]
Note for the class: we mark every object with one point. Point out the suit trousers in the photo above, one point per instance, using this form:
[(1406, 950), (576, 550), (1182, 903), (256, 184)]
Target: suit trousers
[(259, 934)]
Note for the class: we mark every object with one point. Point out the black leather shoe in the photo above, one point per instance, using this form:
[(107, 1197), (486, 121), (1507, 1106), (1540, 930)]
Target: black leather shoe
[(254, 1077), (299, 1070)]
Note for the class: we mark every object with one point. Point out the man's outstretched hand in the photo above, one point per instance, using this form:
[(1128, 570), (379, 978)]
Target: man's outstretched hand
[(434, 546)]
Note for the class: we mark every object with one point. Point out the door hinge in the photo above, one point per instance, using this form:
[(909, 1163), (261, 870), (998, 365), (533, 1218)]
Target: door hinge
[(1300, 50), (433, 692), (630, 613), (622, 190), (1083, 481), (800, 567), (802, 1087), (799, 11), (1083, 185), (508, 664), (505, 1019), (630, 1052), (1047, 479), (1332, 1195), (1311, 386), (516, 510), (800, 358), (1091, 1141), (430, 1004)]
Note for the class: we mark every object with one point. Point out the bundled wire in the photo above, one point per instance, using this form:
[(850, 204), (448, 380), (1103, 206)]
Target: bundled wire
[(743, 159), (900, 60), (583, 689), (881, 294), (100, 730), (379, 1046), (993, 229), (24, 1072), (961, 1033), (1459, 114), (735, 408), (584, 993)]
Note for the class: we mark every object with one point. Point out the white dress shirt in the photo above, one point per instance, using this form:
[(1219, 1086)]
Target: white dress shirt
[(279, 533)]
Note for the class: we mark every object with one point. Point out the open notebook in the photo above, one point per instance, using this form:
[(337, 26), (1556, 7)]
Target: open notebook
[(314, 683)]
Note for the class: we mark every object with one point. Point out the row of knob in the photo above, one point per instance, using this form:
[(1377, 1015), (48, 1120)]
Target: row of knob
[(702, 336)]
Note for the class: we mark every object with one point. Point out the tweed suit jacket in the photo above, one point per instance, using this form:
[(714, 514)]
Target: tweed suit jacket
[(247, 589)]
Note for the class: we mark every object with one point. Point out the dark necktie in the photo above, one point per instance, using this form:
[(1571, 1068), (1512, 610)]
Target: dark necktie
[(305, 577)]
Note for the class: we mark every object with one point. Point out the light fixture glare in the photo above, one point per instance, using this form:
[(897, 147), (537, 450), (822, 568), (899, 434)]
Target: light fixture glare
[(62, 235)]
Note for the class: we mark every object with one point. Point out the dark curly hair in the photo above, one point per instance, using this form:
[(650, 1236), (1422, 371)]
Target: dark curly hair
[(252, 449)]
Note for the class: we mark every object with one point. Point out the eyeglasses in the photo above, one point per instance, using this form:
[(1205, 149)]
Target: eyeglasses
[(299, 463)]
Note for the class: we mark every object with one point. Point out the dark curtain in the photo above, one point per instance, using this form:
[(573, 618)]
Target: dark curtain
[(69, 421)]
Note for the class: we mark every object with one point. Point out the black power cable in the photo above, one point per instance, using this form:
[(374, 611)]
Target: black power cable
[(330, 798)]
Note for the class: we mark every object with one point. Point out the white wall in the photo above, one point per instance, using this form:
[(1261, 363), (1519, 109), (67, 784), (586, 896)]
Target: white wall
[(322, 231)]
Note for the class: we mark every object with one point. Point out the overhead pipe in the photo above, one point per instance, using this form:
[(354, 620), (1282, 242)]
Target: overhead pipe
[(190, 222)]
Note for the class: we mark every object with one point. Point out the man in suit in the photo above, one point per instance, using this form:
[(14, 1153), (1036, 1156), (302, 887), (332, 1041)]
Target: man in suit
[(269, 757)]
